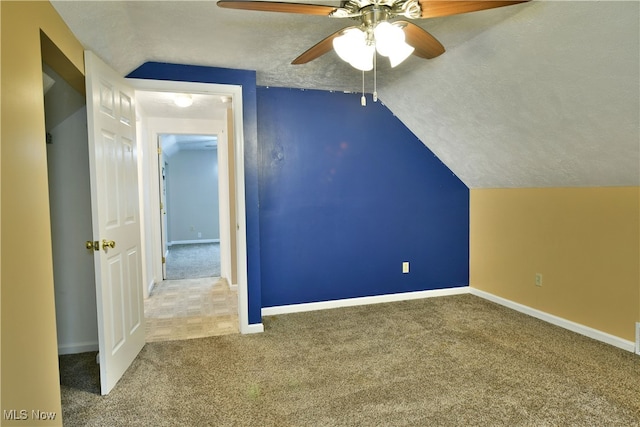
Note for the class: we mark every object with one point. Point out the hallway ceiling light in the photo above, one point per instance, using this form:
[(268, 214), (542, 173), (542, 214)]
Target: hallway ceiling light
[(183, 100)]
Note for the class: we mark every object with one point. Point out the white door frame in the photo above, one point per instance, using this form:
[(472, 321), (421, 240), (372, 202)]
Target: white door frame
[(162, 185), (235, 91)]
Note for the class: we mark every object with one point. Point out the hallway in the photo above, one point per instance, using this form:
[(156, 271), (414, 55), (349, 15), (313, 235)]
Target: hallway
[(192, 308)]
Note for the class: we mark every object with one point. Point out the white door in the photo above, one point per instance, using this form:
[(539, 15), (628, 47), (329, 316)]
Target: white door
[(115, 216)]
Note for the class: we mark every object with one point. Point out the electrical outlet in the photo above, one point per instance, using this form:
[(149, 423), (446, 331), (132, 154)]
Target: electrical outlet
[(192, 228), (538, 279), (199, 235), (405, 267)]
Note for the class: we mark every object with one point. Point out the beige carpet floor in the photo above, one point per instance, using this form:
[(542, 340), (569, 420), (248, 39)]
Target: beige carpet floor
[(449, 361)]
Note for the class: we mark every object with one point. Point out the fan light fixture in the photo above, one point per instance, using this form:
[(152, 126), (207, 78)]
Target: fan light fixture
[(183, 100), (358, 47)]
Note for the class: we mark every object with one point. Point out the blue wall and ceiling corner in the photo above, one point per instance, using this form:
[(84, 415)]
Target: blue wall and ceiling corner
[(246, 79), (346, 195), (337, 196)]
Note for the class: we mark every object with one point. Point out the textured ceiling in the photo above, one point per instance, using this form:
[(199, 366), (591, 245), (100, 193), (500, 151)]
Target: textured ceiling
[(539, 94)]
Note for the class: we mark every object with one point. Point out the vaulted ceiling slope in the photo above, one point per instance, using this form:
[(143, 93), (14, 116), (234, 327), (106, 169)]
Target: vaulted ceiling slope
[(541, 94)]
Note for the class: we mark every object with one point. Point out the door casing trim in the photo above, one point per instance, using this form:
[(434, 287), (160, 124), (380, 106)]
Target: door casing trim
[(235, 91)]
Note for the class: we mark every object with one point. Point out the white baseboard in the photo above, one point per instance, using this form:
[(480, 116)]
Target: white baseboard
[(191, 242), (351, 302), (555, 320), (558, 321), (254, 328), (233, 286), (150, 286), (74, 348)]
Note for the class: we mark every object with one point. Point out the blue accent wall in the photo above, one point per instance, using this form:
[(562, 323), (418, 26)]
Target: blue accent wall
[(337, 196), (246, 79), (346, 195)]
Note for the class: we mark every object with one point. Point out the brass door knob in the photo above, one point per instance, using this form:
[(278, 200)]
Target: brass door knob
[(108, 244), (91, 245)]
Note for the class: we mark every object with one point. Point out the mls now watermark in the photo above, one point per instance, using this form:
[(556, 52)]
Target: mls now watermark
[(24, 415)]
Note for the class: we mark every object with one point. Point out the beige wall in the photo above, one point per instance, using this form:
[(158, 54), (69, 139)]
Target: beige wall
[(29, 366), (584, 241)]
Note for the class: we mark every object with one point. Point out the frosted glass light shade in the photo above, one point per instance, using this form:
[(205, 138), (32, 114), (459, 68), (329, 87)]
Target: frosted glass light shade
[(387, 37), (400, 53), (363, 59), (352, 47), (348, 43), (390, 42)]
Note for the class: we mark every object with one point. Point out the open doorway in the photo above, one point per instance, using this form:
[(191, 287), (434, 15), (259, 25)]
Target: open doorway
[(191, 182), (190, 214), (70, 213), (74, 169)]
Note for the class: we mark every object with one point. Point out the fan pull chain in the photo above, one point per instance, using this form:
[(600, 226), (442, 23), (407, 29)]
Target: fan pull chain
[(363, 100), (375, 77)]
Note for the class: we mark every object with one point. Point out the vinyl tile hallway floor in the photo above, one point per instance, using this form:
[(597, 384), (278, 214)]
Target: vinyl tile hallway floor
[(192, 308)]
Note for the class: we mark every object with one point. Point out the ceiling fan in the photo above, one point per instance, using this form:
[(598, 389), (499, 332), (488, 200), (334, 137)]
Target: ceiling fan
[(375, 32)]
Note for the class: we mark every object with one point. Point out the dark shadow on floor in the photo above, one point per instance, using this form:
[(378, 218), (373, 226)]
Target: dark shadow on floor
[(80, 372)]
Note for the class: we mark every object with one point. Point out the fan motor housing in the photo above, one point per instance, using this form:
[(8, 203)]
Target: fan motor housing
[(373, 14)]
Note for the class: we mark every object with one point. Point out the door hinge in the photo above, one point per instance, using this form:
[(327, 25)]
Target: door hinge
[(159, 150), (161, 205), (164, 260)]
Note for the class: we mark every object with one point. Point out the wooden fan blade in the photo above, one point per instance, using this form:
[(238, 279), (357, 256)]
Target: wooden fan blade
[(318, 49), (275, 6), (426, 46), (435, 8)]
